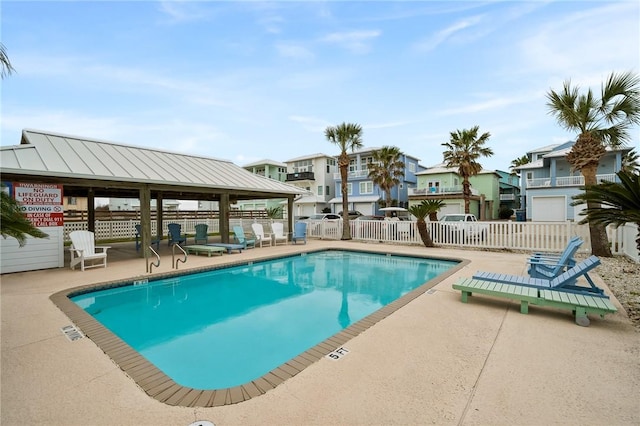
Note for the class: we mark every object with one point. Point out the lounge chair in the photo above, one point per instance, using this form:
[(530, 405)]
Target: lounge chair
[(155, 241), (261, 237), (202, 234), (566, 281), (580, 304), (278, 233), (299, 232), (549, 267), (175, 234), (84, 250), (239, 236)]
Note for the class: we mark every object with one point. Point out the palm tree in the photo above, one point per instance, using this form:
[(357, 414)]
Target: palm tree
[(613, 203), (347, 136), (600, 122), (420, 211), (13, 223), (521, 161), (434, 207), (630, 162), (386, 170), (5, 65), (464, 150)]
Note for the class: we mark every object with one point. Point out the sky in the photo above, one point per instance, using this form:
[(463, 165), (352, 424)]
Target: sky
[(247, 80)]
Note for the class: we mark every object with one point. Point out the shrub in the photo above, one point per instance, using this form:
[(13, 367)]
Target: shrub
[(505, 213)]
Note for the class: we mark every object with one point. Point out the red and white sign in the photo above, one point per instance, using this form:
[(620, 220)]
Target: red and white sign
[(41, 203)]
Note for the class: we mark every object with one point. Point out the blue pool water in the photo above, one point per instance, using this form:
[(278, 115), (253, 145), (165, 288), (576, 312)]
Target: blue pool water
[(226, 327)]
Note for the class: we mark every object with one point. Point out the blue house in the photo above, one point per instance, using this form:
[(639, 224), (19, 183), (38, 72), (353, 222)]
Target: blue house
[(366, 197), (548, 182)]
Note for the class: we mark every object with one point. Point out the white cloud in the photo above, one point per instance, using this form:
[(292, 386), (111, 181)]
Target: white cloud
[(293, 50), (441, 36), (354, 41)]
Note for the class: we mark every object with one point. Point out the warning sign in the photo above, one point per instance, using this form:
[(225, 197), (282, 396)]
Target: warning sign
[(41, 203)]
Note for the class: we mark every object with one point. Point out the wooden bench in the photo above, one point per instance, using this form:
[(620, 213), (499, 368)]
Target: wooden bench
[(580, 304), (197, 249), (524, 295), (228, 246)]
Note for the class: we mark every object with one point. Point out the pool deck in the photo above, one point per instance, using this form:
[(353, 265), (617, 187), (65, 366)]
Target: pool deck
[(434, 361)]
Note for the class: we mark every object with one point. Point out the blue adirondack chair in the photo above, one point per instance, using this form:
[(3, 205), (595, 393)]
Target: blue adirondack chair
[(566, 281), (549, 267), (154, 241), (241, 238), (175, 234), (299, 232), (202, 233)]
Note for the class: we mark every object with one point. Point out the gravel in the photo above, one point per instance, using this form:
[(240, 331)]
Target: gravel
[(623, 278)]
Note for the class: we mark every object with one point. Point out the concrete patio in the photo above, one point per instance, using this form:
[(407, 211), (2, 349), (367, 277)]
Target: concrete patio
[(434, 361)]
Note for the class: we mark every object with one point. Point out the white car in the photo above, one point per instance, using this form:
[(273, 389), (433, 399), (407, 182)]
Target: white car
[(459, 227)]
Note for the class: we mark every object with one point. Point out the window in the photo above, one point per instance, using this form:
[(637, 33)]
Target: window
[(303, 166), (412, 167), (349, 188), (328, 168), (366, 187), (72, 200), (364, 163), (328, 188), (433, 186), (352, 165), (320, 188)]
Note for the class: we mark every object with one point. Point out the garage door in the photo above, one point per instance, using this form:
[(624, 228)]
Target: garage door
[(549, 209), (451, 208)]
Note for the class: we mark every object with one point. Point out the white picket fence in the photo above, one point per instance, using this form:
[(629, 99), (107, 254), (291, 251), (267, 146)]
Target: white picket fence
[(527, 236)]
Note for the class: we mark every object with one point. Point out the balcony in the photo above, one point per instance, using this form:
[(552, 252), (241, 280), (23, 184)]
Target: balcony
[(507, 197), (353, 175), (299, 176), (566, 181), (443, 190)]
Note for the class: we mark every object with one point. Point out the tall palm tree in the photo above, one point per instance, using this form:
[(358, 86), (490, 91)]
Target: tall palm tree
[(421, 211), (386, 170), (601, 122), (347, 136), (612, 203), (463, 151), (520, 161)]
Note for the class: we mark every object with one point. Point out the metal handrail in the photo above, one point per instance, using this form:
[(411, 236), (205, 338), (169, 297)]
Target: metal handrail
[(157, 264), (175, 261)]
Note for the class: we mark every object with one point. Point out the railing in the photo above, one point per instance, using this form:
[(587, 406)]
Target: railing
[(507, 197), (440, 190), (353, 174), (300, 176), (566, 181), (526, 236)]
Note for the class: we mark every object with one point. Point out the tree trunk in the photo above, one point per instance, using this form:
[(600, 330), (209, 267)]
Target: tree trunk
[(387, 201), (424, 233), (598, 233), (466, 193), (343, 162)]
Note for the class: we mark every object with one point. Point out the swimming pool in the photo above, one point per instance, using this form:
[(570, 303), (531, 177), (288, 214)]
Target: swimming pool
[(231, 333)]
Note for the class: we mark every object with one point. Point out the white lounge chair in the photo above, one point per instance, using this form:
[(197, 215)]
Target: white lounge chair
[(261, 237), (83, 248), (278, 233)]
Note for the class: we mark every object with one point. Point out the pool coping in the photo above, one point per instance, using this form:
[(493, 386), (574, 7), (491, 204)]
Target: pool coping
[(161, 387)]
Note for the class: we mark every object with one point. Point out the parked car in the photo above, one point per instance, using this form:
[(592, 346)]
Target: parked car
[(460, 227), (321, 224), (369, 217), (352, 214)]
